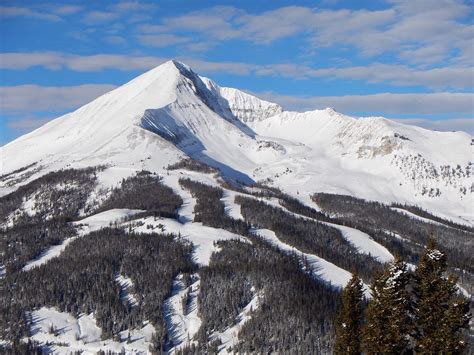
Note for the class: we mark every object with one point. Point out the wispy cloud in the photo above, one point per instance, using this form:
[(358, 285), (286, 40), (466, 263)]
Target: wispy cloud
[(458, 77), (26, 124), (55, 61), (16, 11), (385, 103), (455, 124), (66, 9), (113, 39), (127, 11), (128, 6), (35, 98), (418, 32), (96, 17), (445, 77), (45, 12)]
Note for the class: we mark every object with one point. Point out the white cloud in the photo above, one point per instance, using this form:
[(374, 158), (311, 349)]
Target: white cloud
[(445, 77), (54, 61), (379, 104), (114, 39), (66, 9), (128, 6), (423, 32), (420, 32), (15, 11), (97, 17), (215, 23), (458, 77), (27, 124), (127, 11), (455, 124), (147, 28), (22, 61), (35, 98)]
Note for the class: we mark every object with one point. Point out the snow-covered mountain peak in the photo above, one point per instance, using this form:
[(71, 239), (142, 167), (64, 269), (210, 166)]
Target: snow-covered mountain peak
[(170, 112)]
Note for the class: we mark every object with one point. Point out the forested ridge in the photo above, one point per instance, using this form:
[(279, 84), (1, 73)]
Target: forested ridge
[(82, 280), (308, 236), (380, 221), (295, 311), (57, 199)]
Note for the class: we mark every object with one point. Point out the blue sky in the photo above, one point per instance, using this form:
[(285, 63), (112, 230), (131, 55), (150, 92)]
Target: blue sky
[(404, 59)]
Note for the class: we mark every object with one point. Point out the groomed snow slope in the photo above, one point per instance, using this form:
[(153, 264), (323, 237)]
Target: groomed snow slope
[(83, 335)]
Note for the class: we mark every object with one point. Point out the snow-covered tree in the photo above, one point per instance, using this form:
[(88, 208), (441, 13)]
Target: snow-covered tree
[(389, 323), (349, 320), (441, 315)]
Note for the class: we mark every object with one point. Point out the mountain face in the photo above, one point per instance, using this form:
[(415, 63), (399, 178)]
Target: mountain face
[(172, 215), (171, 112)]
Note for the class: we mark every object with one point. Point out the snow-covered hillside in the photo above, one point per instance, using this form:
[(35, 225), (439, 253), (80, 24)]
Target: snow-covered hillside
[(171, 112)]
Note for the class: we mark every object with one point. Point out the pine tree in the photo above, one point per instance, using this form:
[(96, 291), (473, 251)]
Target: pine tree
[(440, 314), (389, 325), (349, 320)]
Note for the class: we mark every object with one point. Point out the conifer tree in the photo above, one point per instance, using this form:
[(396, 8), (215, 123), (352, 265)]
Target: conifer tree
[(349, 320), (440, 314), (389, 325)]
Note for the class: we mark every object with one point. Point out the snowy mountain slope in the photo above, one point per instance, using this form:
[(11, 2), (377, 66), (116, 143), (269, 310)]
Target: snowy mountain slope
[(171, 112), (409, 163)]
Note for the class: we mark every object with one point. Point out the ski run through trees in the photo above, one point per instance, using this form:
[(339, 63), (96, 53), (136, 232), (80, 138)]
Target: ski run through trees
[(113, 257)]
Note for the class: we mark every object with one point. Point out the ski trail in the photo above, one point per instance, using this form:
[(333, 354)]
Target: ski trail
[(181, 312), (126, 284), (229, 337), (321, 268)]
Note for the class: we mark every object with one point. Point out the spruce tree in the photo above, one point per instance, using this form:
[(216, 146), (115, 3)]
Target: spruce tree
[(349, 320), (441, 315), (389, 325)]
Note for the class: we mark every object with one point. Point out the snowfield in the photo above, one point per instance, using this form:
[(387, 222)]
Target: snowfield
[(67, 334)]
